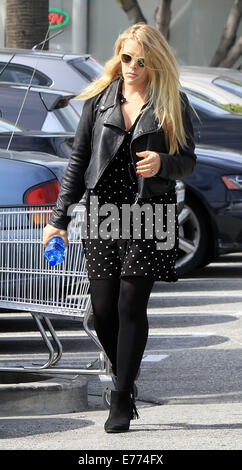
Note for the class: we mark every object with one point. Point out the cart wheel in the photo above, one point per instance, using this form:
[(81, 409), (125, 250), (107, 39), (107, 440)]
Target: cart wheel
[(106, 395)]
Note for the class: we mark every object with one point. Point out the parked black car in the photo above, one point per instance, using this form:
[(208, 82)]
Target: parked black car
[(211, 222), (217, 126), (43, 108)]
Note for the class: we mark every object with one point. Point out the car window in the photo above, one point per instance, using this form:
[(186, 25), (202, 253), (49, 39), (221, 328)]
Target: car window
[(52, 124), (68, 118), (11, 99), (21, 74), (204, 103), (88, 67), (234, 86)]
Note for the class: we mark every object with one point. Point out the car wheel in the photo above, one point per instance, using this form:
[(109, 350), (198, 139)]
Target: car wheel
[(193, 237)]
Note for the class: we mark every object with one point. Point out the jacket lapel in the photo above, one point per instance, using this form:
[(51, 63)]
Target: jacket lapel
[(115, 118), (146, 123)]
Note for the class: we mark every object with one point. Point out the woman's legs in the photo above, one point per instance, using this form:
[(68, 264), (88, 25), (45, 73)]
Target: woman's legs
[(104, 296), (133, 328), (120, 320)]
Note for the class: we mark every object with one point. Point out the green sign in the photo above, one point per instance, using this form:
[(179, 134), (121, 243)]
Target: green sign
[(57, 18)]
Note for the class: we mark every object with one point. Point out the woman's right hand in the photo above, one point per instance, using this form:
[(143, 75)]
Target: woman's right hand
[(50, 231)]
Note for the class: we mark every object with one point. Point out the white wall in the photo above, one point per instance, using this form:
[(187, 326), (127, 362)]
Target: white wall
[(196, 27), (107, 20), (2, 21)]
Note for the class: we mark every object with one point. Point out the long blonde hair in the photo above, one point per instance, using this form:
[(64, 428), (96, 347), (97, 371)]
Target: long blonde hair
[(163, 83)]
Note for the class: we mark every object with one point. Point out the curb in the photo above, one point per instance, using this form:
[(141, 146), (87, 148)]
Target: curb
[(32, 394)]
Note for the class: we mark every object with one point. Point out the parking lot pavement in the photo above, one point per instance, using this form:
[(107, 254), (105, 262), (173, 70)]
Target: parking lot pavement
[(169, 427), (190, 385)]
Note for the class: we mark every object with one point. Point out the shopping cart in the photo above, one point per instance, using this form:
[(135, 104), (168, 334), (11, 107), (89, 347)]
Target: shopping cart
[(28, 283)]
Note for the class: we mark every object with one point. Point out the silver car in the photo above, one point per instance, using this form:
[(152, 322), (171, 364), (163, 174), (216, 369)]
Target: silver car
[(55, 70)]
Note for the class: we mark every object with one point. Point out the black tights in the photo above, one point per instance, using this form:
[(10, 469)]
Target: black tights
[(121, 324)]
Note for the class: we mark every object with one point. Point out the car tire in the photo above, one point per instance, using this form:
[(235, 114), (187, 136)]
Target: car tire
[(193, 237)]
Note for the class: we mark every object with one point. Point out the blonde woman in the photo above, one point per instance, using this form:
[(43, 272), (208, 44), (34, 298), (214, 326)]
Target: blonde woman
[(134, 139)]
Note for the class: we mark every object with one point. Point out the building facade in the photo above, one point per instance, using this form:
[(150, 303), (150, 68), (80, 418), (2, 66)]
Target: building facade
[(92, 26)]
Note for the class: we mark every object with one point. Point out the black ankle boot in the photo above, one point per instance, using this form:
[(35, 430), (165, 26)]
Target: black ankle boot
[(134, 391), (122, 410)]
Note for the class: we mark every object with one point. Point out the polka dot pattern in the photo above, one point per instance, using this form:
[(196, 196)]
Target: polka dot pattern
[(131, 256)]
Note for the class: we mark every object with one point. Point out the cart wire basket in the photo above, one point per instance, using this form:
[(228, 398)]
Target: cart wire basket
[(29, 283)]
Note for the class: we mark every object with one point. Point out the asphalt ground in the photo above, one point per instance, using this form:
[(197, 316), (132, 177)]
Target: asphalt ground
[(189, 388)]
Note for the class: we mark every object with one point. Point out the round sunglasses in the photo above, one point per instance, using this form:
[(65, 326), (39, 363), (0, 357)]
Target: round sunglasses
[(127, 58)]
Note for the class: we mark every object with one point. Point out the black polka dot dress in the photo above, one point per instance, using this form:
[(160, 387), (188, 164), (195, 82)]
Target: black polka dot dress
[(122, 242)]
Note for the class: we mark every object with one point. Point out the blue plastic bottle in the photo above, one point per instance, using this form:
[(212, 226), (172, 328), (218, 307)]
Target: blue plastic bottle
[(55, 251)]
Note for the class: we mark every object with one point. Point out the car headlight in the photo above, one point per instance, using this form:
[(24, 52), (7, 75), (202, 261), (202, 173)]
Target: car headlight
[(233, 181)]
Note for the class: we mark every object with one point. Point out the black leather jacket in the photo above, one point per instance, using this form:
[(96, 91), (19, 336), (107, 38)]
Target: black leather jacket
[(100, 134)]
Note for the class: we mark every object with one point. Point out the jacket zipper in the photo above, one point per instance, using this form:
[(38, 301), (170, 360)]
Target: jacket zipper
[(136, 198), (137, 194)]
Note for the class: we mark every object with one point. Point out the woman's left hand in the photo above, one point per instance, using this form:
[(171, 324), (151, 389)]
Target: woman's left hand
[(150, 164)]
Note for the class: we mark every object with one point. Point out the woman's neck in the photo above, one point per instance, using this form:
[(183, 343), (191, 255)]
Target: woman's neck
[(132, 92)]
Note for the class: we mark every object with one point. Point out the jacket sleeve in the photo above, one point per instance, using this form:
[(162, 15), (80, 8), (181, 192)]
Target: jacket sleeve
[(182, 164), (72, 184)]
